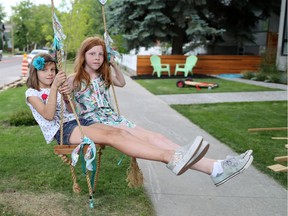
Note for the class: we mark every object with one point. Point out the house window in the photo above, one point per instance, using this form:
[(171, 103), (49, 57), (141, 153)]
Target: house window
[(285, 41)]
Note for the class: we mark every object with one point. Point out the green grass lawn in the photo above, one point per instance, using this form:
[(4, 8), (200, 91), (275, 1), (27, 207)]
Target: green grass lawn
[(229, 123), (168, 86), (34, 176), (31, 174)]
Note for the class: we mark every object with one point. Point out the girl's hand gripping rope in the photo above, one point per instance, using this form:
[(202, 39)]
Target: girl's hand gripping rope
[(65, 89), (60, 78)]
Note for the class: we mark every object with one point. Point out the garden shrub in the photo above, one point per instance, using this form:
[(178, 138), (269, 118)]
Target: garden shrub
[(22, 117), (268, 71), (248, 74), (274, 78), (260, 77)]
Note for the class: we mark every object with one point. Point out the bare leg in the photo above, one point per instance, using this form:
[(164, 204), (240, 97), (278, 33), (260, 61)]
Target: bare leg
[(131, 145), (122, 141), (154, 138), (205, 165)]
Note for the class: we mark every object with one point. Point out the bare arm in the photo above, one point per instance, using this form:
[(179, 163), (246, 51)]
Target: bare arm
[(48, 110), (70, 88), (117, 77), (66, 90), (70, 81)]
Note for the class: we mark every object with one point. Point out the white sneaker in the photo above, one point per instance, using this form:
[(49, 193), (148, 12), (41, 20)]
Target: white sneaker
[(241, 156), (182, 158), (198, 155), (232, 167)]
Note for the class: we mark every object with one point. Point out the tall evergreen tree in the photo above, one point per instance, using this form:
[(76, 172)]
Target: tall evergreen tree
[(142, 23)]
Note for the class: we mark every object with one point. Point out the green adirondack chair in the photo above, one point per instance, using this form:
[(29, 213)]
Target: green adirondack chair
[(158, 68), (187, 67)]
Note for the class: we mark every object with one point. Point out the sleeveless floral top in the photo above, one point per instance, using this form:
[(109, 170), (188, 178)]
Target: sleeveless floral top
[(94, 103)]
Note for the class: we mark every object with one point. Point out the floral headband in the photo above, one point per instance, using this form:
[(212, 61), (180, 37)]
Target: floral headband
[(39, 63)]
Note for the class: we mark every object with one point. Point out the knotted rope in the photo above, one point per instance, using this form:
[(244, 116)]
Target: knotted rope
[(58, 36), (134, 173)]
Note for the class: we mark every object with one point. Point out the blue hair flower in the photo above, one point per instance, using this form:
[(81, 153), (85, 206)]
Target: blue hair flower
[(39, 63)]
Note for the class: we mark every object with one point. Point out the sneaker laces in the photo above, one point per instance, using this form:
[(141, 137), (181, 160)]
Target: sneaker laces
[(236, 156), (177, 156), (231, 162)]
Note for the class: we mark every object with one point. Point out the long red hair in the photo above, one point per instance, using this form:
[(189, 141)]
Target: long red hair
[(79, 71)]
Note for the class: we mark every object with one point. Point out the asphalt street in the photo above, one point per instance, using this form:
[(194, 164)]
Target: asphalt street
[(10, 69)]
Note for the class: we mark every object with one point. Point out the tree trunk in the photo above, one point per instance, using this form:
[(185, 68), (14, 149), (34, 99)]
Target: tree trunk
[(178, 42)]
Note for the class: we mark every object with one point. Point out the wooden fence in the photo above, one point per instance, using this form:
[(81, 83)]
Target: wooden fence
[(206, 64)]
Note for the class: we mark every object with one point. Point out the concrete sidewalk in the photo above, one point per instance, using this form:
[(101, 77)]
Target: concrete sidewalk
[(224, 97), (193, 193)]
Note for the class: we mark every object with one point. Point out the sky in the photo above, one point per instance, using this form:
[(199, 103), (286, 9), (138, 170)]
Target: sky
[(8, 3)]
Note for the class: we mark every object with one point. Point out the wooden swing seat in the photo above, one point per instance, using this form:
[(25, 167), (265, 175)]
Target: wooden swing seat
[(64, 150)]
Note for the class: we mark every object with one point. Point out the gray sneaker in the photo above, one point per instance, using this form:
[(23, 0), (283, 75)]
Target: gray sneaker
[(198, 155), (182, 156), (232, 167), (241, 156)]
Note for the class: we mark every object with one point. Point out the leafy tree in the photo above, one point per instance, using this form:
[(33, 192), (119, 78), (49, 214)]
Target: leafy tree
[(21, 18), (32, 25), (84, 20), (40, 26)]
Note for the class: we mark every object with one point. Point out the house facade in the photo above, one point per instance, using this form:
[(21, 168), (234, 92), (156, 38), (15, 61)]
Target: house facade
[(270, 37), (282, 43)]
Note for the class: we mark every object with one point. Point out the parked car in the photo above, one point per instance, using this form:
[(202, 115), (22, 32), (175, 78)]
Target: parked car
[(34, 52)]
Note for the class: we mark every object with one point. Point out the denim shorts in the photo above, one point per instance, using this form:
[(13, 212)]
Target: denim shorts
[(68, 128)]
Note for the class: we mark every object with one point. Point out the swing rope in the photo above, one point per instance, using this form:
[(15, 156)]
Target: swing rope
[(64, 158), (134, 173), (113, 89), (85, 141)]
